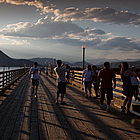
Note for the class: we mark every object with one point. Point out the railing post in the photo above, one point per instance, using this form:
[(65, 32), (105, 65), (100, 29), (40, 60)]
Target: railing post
[(3, 80)]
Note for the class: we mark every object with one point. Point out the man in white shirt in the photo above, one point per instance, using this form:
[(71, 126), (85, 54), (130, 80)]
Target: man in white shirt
[(61, 81), (35, 71)]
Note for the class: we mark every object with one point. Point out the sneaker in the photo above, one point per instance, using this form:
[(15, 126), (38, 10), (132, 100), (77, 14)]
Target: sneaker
[(123, 111), (108, 110), (86, 96), (56, 103), (128, 112), (63, 103), (100, 107), (35, 96)]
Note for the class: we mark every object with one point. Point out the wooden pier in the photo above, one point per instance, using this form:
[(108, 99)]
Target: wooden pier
[(22, 117)]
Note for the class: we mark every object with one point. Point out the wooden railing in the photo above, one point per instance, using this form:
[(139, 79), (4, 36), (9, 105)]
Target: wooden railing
[(7, 78), (118, 96)]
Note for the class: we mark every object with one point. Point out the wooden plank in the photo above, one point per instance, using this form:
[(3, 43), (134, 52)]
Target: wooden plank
[(10, 116)]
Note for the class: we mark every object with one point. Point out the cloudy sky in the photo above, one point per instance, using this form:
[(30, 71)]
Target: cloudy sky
[(58, 28)]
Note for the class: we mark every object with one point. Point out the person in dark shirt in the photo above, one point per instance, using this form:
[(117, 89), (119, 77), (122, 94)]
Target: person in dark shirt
[(106, 74)]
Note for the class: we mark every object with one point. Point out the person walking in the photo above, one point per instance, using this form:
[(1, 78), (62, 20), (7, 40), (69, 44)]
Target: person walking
[(46, 70), (134, 83), (94, 80), (35, 71), (51, 71), (106, 74), (87, 78), (60, 81), (127, 87)]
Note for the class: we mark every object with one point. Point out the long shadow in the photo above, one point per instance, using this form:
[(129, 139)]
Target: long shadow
[(98, 122), (97, 102), (71, 131), (37, 132)]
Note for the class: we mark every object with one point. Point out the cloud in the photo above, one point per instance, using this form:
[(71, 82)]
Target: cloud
[(48, 28), (36, 3), (106, 15), (122, 43), (95, 32), (69, 33)]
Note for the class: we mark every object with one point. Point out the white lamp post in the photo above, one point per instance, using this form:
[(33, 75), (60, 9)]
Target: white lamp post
[(83, 47)]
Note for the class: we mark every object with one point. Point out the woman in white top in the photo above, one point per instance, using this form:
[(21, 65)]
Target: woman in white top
[(134, 83), (87, 78)]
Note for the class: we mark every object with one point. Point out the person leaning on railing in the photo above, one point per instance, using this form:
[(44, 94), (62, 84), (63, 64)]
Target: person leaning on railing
[(127, 87)]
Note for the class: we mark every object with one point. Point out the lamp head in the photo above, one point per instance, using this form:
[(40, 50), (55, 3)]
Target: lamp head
[(84, 46)]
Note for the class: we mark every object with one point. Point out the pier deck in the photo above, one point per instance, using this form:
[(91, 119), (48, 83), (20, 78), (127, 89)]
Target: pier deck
[(22, 117)]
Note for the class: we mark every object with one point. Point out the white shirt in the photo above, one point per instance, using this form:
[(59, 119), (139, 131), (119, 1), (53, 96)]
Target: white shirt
[(60, 73), (87, 75), (36, 74), (134, 80)]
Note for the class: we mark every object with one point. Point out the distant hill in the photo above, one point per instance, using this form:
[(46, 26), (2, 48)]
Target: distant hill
[(130, 63), (101, 61), (80, 63), (42, 61), (6, 61)]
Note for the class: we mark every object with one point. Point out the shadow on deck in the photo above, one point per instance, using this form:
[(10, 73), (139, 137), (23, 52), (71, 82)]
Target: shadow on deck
[(24, 117)]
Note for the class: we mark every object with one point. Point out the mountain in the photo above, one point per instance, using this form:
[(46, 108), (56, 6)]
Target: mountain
[(42, 61), (80, 63), (101, 61), (6, 61), (117, 64)]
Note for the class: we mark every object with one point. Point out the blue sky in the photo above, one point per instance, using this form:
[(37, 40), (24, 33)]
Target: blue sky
[(58, 28)]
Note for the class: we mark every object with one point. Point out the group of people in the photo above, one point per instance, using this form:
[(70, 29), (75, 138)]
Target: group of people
[(107, 75), (60, 72), (92, 76)]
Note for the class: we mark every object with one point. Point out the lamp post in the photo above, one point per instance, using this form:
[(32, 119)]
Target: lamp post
[(54, 61), (83, 47)]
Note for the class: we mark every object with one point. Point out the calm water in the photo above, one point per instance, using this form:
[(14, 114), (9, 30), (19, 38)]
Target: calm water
[(9, 68)]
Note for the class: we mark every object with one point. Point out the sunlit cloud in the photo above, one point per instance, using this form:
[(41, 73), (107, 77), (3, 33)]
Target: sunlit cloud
[(106, 15), (69, 33), (36, 3)]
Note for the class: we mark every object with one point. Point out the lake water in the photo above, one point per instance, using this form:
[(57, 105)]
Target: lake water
[(9, 68)]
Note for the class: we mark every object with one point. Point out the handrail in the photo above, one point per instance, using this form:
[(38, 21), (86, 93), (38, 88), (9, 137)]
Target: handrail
[(7, 78), (118, 96)]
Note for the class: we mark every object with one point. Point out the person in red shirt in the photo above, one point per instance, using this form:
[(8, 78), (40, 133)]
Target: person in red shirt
[(106, 74)]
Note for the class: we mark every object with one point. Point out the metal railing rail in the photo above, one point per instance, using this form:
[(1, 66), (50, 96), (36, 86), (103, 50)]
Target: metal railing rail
[(7, 78)]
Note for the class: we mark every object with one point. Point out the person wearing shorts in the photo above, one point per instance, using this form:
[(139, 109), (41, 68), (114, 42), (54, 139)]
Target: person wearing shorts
[(46, 70), (87, 78), (35, 71), (106, 74), (60, 81)]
